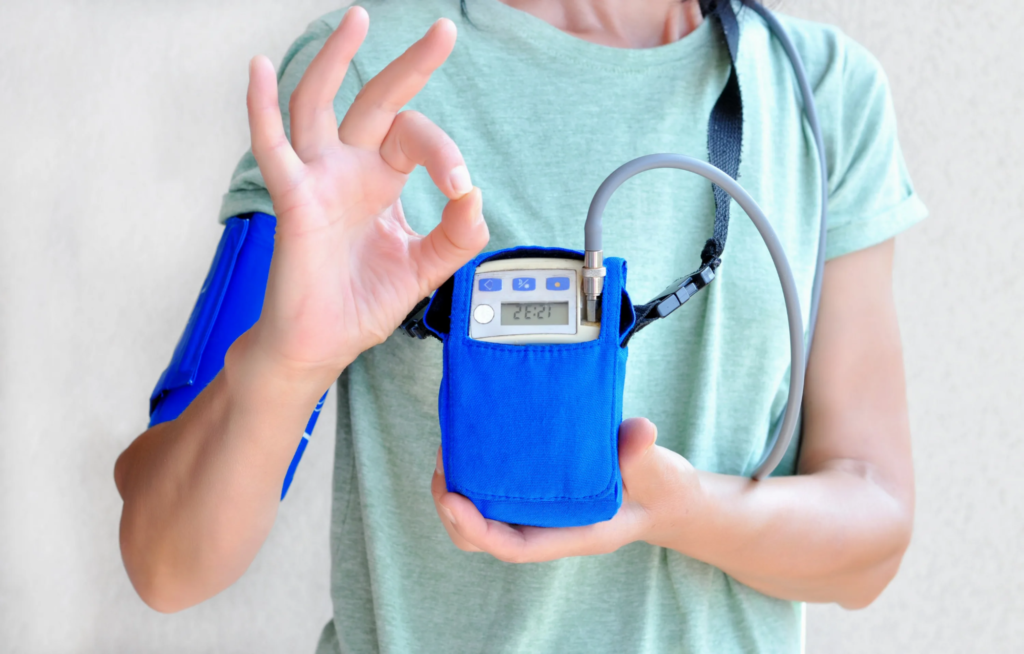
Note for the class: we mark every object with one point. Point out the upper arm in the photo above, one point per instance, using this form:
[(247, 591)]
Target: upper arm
[(855, 404)]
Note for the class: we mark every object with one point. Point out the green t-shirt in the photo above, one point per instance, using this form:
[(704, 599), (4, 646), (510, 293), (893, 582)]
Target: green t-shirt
[(541, 118)]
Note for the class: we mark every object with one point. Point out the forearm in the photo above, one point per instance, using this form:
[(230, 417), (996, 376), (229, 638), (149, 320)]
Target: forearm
[(836, 535), (837, 531), (201, 492)]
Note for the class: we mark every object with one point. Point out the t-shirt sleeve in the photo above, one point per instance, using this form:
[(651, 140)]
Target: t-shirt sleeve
[(247, 192), (871, 198)]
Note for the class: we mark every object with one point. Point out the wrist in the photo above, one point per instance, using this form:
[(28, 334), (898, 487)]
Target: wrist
[(678, 504), (255, 375), (257, 352), (704, 527)]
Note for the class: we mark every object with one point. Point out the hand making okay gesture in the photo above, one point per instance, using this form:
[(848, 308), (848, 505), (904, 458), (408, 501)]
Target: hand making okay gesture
[(347, 268)]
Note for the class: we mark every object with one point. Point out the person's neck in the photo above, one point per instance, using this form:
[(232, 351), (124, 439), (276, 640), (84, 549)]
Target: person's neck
[(618, 23)]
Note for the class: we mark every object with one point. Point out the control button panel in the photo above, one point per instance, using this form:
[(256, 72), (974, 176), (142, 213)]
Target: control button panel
[(523, 301)]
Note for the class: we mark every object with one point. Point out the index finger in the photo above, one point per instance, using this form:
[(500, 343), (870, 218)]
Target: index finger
[(278, 163), (374, 109)]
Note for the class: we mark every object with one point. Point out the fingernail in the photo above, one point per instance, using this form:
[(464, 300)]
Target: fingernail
[(448, 514), (460, 180), (654, 441), (480, 214), (439, 467)]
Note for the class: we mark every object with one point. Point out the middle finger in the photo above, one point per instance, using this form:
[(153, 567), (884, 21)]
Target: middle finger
[(311, 108), (374, 109)]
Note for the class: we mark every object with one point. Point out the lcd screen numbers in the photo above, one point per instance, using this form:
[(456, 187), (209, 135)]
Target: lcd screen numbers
[(535, 313)]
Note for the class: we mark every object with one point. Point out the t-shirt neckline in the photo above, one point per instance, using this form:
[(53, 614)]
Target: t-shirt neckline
[(498, 17)]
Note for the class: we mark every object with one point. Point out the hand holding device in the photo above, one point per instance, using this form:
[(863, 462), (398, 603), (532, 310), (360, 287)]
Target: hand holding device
[(347, 268), (656, 481)]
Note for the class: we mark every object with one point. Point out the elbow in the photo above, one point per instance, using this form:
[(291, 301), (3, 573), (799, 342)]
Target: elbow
[(868, 585), (158, 596), (869, 571), (166, 569), (143, 570), (166, 586), (149, 561), (154, 581), (160, 532), (148, 576), (162, 598)]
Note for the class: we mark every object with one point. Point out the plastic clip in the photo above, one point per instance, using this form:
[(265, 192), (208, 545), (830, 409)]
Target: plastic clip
[(413, 324), (682, 290)]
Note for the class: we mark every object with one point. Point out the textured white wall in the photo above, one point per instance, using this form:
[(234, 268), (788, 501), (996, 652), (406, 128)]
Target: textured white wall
[(119, 125)]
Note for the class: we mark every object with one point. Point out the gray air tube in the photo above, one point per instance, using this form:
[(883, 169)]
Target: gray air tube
[(796, 330), (774, 455), (784, 430)]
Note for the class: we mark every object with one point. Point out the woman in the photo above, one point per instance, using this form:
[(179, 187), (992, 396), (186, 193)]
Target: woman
[(541, 100)]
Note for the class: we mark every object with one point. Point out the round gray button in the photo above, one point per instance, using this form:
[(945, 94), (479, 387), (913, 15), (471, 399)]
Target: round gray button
[(483, 314)]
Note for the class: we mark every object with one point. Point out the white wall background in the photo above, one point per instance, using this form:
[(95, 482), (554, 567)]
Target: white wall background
[(119, 125)]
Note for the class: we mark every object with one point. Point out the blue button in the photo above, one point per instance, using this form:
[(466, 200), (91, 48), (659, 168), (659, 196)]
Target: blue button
[(489, 284), (558, 283), (524, 284)]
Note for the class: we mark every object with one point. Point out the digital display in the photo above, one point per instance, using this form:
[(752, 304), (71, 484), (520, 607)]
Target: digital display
[(535, 313)]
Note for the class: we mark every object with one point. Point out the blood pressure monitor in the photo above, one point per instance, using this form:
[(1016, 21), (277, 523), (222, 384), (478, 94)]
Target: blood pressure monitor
[(535, 342), (522, 301)]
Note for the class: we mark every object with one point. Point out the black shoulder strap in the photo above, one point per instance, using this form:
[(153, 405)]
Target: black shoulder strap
[(725, 136), (725, 147)]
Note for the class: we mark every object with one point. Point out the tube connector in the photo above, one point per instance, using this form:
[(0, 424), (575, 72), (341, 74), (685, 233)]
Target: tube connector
[(593, 283)]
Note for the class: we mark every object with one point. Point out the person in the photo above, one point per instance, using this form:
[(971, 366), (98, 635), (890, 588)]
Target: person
[(376, 163)]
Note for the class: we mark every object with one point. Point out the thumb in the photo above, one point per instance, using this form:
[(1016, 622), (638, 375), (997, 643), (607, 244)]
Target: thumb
[(636, 439), (460, 236)]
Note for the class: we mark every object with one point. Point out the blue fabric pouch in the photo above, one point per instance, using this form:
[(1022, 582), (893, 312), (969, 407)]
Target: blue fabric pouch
[(529, 433)]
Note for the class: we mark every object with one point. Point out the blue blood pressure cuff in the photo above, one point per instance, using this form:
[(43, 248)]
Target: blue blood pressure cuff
[(529, 432), (229, 304)]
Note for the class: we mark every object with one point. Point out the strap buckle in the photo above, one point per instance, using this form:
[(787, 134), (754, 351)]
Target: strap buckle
[(681, 290), (413, 324)]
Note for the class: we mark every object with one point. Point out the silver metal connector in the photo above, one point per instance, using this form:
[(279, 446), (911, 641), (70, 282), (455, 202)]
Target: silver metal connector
[(593, 283)]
